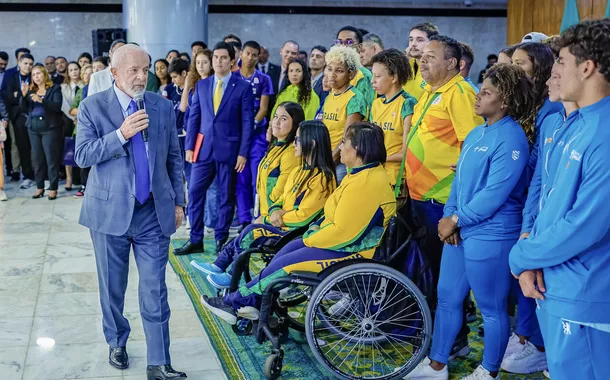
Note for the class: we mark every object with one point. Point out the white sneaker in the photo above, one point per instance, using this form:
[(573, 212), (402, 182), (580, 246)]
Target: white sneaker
[(3, 196), (528, 360), (423, 371), (480, 374), (248, 312), (546, 373), (188, 225), (514, 345), (26, 184)]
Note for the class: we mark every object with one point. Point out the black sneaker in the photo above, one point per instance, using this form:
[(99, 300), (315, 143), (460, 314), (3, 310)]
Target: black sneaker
[(460, 349), (219, 308)]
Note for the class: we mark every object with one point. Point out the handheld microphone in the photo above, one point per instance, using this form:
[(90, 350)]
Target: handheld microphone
[(138, 97)]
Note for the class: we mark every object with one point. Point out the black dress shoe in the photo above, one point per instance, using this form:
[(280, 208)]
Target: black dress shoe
[(189, 248), (163, 372), (118, 357), (39, 195), (220, 244), (15, 176)]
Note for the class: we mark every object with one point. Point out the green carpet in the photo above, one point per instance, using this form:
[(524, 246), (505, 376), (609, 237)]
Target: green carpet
[(243, 358)]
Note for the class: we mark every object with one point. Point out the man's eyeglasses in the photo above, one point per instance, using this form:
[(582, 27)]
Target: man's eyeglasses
[(348, 42)]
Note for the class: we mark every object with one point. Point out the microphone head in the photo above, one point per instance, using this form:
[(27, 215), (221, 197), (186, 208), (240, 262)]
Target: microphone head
[(138, 95)]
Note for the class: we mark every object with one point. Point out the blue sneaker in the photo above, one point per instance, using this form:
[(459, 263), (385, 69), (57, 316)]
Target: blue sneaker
[(220, 281), (205, 268)]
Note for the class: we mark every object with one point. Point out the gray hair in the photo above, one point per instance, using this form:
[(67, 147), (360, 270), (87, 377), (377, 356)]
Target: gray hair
[(373, 39), (120, 53)]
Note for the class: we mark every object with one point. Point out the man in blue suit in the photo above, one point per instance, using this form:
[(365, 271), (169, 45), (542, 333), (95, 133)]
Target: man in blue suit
[(134, 199), (219, 133)]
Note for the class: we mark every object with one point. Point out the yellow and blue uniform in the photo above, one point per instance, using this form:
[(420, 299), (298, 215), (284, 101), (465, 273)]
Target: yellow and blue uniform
[(341, 234), (291, 94), (273, 171), (337, 107), (389, 115), (416, 87), (363, 83), (302, 202)]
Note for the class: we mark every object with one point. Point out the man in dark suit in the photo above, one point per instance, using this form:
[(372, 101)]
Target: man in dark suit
[(218, 139), (134, 200), (317, 64), (12, 90)]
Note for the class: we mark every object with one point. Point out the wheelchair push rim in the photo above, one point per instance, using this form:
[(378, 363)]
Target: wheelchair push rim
[(382, 331)]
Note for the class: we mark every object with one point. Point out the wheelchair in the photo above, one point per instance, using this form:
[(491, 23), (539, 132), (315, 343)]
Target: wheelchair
[(363, 318)]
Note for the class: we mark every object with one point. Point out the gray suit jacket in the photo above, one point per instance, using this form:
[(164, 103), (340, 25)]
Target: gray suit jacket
[(110, 196)]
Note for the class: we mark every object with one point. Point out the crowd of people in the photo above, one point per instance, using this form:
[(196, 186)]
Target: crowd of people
[(508, 178)]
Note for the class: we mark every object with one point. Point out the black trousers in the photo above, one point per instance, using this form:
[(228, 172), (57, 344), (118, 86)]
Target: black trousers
[(45, 153), (84, 174), (7, 151), (23, 146)]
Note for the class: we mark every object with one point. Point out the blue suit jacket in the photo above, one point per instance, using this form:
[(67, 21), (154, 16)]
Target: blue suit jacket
[(227, 134), (110, 196)]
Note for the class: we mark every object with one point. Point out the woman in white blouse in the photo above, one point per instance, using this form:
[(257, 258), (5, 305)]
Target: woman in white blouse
[(71, 85)]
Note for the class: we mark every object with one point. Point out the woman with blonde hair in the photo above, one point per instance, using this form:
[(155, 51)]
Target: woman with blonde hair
[(344, 105), (43, 103)]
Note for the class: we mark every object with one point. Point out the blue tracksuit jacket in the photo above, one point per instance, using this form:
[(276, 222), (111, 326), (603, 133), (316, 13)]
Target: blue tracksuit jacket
[(488, 191), (570, 239)]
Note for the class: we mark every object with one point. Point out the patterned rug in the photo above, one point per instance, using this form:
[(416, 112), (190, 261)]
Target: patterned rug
[(242, 357)]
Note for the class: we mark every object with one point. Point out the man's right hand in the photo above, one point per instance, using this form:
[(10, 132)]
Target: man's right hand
[(188, 157), (524, 235), (134, 123)]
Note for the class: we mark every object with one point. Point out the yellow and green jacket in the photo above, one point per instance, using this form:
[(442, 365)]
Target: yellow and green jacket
[(301, 203), (416, 86), (291, 94), (356, 214), (273, 171), (363, 83)]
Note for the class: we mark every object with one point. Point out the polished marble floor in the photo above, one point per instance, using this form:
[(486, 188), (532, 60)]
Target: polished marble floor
[(48, 289)]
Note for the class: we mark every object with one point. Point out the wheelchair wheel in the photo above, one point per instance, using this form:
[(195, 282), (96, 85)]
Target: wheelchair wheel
[(368, 321), (273, 366), (243, 327)]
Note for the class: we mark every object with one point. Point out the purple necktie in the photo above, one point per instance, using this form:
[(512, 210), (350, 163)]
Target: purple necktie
[(141, 160)]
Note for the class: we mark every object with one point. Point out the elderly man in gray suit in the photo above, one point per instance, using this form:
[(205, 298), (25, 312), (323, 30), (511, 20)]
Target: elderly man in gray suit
[(134, 199)]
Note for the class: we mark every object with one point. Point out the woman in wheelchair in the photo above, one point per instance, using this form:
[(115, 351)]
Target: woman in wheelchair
[(355, 218), (306, 190), (483, 220)]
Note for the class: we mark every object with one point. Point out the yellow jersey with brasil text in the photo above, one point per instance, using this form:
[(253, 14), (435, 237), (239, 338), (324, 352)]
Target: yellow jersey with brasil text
[(389, 115), (363, 82), (416, 86), (336, 110), (356, 214), (273, 172), (437, 143), (303, 202)]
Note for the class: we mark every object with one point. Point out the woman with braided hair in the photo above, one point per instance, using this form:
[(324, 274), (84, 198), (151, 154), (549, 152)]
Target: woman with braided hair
[(483, 221)]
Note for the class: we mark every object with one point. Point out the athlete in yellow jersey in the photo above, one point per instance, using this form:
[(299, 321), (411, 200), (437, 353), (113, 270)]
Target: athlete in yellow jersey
[(419, 36), (416, 85), (344, 105), (393, 109), (306, 190), (341, 234)]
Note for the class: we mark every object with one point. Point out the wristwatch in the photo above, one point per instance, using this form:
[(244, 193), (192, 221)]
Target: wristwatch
[(455, 219)]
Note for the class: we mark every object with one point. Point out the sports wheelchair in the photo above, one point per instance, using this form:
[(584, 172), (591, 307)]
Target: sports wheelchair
[(363, 318)]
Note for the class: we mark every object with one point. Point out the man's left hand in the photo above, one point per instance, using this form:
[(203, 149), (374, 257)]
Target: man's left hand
[(179, 216), (241, 164)]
